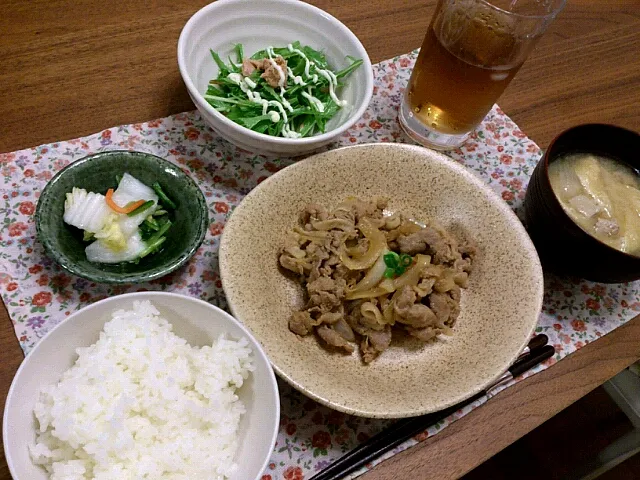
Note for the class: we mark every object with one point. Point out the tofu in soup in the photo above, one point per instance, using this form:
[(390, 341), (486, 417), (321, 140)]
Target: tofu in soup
[(602, 196)]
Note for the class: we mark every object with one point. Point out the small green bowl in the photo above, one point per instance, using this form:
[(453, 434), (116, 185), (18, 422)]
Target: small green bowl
[(97, 173)]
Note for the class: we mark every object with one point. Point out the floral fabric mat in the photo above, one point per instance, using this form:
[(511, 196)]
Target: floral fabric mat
[(38, 294)]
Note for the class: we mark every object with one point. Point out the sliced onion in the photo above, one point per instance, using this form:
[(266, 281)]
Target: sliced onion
[(383, 301), (422, 291), (408, 227), (445, 282), (311, 236), (372, 293), (446, 330), (339, 223), (354, 252), (377, 245), (392, 221), (389, 315), (295, 252), (373, 276), (371, 316), (412, 276)]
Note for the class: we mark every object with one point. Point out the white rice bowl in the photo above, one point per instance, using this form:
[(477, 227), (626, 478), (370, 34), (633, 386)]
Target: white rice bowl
[(142, 403)]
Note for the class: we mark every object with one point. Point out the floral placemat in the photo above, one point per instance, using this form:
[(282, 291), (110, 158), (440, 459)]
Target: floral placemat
[(38, 294)]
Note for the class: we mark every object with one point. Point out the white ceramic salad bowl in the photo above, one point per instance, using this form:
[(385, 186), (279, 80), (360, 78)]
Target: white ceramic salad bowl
[(258, 25)]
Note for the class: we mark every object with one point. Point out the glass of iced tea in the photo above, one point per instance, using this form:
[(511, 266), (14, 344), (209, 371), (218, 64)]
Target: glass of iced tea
[(471, 52)]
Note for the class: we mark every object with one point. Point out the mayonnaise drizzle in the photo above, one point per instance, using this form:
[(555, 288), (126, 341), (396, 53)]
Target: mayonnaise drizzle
[(284, 101), (288, 133), (314, 101), (333, 81), (307, 63), (328, 74), (279, 106), (274, 116), (281, 75), (235, 78), (297, 79), (246, 85)]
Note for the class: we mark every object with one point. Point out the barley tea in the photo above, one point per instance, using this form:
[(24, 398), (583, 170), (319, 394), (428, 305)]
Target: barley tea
[(471, 51)]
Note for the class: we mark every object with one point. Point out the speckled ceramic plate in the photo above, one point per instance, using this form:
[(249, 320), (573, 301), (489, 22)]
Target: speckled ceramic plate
[(499, 310)]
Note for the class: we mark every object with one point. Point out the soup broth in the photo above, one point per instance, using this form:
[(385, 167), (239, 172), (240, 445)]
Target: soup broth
[(602, 196)]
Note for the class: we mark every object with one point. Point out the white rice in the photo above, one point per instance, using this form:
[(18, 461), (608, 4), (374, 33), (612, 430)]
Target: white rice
[(141, 403)]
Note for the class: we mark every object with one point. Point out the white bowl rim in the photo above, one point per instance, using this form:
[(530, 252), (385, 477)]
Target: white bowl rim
[(257, 351), (313, 10)]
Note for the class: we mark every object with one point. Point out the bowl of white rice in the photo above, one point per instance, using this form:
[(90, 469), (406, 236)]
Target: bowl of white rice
[(149, 385)]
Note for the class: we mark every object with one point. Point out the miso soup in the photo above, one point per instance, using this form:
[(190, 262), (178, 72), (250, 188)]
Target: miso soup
[(602, 196)]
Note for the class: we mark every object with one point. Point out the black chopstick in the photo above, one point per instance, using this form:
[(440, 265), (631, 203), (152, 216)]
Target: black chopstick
[(406, 428), (536, 342)]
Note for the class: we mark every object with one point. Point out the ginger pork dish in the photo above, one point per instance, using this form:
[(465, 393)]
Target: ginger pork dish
[(370, 274)]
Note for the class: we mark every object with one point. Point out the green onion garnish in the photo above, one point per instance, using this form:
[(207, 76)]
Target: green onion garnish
[(406, 260), (396, 264)]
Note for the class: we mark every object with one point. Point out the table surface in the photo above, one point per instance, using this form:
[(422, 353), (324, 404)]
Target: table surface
[(73, 68)]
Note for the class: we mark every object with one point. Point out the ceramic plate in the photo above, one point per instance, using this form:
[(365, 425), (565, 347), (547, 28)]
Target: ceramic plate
[(97, 173), (499, 310)]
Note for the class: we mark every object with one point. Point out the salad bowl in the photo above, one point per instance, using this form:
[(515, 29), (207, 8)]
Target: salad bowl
[(222, 25)]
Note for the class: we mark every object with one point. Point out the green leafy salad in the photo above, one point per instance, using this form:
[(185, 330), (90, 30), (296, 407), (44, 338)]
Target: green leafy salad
[(287, 92)]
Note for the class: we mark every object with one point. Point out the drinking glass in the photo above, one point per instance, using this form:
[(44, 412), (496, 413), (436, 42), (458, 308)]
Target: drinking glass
[(472, 50)]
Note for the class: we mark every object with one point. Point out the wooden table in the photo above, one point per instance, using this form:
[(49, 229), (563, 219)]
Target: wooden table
[(73, 68)]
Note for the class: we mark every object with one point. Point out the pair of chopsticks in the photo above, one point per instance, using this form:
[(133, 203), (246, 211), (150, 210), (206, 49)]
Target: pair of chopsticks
[(534, 353)]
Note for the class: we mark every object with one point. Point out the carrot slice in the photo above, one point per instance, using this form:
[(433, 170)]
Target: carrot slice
[(117, 208)]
